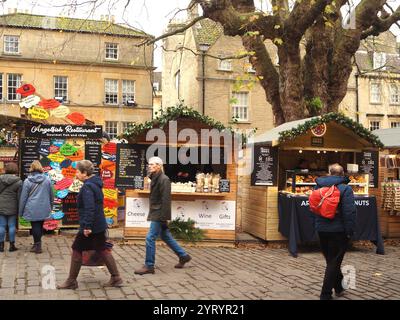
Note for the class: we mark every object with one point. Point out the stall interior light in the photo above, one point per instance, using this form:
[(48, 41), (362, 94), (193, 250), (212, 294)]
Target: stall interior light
[(324, 151), (300, 151), (336, 151), (318, 151)]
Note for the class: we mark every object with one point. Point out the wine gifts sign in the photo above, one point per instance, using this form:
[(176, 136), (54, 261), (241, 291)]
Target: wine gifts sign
[(63, 131)]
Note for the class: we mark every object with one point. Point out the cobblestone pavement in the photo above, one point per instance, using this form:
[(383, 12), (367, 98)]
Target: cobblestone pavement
[(214, 273)]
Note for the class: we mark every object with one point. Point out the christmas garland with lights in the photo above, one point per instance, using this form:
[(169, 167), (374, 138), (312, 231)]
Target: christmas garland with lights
[(338, 118)]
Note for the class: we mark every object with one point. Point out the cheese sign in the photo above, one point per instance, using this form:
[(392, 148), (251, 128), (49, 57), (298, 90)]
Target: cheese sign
[(77, 118), (110, 194), (49, 103), (50, 225), (56, 157), (77, 156), (26, 90), (62, 193), (110, 213), (63, 184), (60, 112), (76, 186), (38, 113), (69, 172), (108, 203), (68, 150), (29, 101)]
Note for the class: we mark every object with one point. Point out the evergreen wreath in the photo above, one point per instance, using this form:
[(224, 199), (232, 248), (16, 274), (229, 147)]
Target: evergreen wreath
[(185, 230)]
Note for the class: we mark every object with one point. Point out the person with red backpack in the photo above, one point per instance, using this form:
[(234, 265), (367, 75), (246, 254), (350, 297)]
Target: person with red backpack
[(334, 228)]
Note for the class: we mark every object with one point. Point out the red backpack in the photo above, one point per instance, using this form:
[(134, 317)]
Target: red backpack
[(324, 201)]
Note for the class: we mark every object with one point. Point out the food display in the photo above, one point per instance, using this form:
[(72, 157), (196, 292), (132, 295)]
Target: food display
[(205, 183), (359, 183), (391, 197)]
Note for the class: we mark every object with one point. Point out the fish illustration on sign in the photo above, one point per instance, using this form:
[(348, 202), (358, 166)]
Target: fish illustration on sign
[(38, 113), (26, 90), (29, 101)]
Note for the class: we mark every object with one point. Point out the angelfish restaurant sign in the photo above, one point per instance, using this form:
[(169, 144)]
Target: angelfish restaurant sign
[(63, 131)]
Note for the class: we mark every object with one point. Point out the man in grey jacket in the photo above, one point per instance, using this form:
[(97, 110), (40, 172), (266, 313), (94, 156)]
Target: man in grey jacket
[(160, 213)]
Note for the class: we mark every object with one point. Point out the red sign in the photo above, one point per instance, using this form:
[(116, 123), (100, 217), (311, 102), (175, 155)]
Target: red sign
[(26, 90), (110, 148), (54, 149), (49, 103), (106, 174), (63, 184), (69, 172), (108, 203), (109, 183), (77, 118), (50, 225), (107, 165)]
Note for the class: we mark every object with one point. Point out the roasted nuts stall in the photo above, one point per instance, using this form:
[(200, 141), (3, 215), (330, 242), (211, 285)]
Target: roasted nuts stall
[(203, 188), (288, 159)]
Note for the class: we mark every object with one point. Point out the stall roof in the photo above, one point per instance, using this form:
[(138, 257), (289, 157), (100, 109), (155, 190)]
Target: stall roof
[(293, 129), (389, 137)]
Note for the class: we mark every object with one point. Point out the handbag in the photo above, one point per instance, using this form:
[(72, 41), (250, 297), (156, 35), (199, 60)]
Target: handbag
[(92, 258)]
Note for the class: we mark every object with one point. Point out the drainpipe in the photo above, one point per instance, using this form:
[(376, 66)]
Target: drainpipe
[(357, 106)]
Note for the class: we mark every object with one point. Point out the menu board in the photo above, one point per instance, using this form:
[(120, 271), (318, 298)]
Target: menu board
[(368, 162), (265, 164), (131, 166), (29, 151), (93, 153), (224, 185), (71, 216)]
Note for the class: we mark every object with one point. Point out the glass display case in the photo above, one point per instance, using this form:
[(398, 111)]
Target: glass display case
[(303, 182)]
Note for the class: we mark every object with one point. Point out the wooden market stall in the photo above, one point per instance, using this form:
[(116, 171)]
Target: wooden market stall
[(389, 175), (202, 190), (279, 156)]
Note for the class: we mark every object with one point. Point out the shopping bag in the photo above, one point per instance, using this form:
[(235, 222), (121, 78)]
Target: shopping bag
[(92, 258)]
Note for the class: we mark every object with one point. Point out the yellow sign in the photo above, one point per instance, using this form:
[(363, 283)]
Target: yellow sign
[(60, 112), (29, 101), (110, 194), (38, 113), (110, 213), (56, 157)]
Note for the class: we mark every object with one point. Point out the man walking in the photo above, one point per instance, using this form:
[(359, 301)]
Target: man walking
[(160, 213), (334, 234)]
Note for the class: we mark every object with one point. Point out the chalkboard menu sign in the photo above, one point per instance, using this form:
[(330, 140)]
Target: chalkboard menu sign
[(224, 185), (265, 163), (131, 166), (29, 151), (368, 162), (93, 153), (71, 216)]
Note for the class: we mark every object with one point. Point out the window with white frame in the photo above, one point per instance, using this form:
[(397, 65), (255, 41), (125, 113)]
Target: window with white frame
[(379, 60), (111, 91), (395, 124), (111, 51), (240, 106), (61, 88), (374, 125), (125, 125), (13, 83), (1, 86), (224, 64), (11, 44), (112, 128), (375, 93), (394, 94), (128, 91)]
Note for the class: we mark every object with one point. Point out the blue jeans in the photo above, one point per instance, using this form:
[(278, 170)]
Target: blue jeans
[(11, 221), (157, 229)]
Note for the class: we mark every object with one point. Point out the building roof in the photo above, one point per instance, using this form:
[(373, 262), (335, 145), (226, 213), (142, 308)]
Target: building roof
[(207, 31), (31, 21), (389, 137)]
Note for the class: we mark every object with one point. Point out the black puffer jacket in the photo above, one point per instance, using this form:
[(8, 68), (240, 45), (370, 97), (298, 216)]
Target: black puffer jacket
[(160, 198), (10, 192)]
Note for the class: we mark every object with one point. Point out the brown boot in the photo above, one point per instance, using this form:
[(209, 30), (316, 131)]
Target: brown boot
[(115, 280), (76, 263), (144, 270), (182, 261), (38, 248)]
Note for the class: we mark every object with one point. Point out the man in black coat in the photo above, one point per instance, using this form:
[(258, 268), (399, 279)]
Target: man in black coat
[(334, 234), (160, 213)]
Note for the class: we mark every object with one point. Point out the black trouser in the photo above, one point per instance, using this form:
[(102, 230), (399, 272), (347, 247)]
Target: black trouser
[(333, 246), (37, 231)]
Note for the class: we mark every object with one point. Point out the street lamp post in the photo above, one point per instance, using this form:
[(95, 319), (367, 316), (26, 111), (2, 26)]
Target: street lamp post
[(203, 48)]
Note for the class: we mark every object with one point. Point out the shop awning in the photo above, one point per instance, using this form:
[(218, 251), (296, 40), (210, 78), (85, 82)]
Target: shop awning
[(389, 137)]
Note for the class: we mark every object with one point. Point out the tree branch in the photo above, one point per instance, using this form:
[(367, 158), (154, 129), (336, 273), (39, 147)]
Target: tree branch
[(381, 25)]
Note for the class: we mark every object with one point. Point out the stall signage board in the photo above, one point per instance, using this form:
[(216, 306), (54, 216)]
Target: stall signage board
[(368, 162), (265, 164), (131, 166), (63, 131), (93, 154), (224, 185), (29, 151), (70, 209), (317, 141), (137, 210)]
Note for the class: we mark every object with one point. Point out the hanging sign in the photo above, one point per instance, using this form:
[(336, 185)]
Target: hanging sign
[(57, 215), (56, 157), (109, 183), (110, 213), (76, 186), (55, 165), (77, 118), (50, 225), (108, 203), (55, 175), (49, 103), (60, 112), (26, 90), (68, 150), (66, 163), (38, 113), (110, 148), (62, 193)]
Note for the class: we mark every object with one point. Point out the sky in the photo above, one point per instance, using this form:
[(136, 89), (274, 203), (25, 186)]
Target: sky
[(151, 16)]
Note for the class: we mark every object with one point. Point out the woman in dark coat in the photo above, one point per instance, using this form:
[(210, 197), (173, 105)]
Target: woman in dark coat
[(92, 227), (10, 192)]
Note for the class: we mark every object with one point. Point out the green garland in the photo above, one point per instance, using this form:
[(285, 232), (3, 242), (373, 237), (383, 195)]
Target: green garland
[(338, 118), (185, 230), (172, 113)]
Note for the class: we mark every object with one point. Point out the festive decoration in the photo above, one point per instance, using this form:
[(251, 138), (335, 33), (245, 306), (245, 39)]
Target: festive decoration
[(336, 117), (68, 150), (185, 230), (77, 118), (26, 90), (29, 102), (320, 130), (49, 103), (38, 113)]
